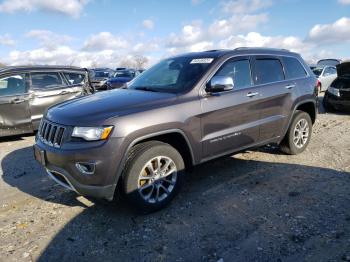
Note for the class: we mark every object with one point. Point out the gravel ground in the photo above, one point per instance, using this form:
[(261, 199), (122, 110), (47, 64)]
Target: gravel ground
[(258, 205)]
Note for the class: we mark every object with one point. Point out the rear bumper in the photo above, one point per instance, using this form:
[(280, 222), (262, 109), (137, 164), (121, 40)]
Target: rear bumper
[(337, 102)]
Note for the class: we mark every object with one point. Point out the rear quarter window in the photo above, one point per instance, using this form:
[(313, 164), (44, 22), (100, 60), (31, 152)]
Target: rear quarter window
[(268, 70), (293, 68)]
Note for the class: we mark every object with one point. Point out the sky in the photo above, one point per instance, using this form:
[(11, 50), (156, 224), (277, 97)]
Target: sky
[(92, 33)]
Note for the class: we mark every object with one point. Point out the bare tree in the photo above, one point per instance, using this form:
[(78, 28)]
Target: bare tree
[(140, 61)]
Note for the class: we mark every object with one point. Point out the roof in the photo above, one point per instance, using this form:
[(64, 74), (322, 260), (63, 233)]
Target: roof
[(241, 50), (39, 67)]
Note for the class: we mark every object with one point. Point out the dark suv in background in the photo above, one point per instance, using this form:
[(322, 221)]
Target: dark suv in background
[(27, 91), (183, 111)]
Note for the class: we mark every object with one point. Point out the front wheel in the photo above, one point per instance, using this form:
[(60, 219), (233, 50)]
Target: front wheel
[(298, 135), (153, 175)]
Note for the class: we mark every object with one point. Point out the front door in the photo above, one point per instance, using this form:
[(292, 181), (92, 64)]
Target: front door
[(14, 105), (47, 88), (230, 119)]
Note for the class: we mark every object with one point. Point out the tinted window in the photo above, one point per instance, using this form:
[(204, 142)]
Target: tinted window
[(12, 84), (332, 62), (317, 71), (46, 80), (293, 68), (239, 71), (268, 71), (75, 78)]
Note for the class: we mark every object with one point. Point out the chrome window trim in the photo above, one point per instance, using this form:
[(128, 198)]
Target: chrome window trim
[(202, 88)]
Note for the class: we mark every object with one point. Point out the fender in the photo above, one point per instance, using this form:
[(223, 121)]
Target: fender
[(148, 136), (293, 112)]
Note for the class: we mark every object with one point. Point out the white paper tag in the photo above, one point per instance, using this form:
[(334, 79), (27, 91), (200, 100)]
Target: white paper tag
[(202, 61)]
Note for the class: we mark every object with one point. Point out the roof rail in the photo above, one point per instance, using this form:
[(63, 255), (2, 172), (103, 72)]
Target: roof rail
[(261, 48)]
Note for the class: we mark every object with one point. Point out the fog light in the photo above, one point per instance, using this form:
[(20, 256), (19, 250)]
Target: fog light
[(86, 168)]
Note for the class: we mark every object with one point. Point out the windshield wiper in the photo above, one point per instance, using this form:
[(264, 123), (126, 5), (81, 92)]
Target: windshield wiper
[(145, 88)]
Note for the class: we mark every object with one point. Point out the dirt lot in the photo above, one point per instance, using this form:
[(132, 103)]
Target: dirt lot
[(255, 206)]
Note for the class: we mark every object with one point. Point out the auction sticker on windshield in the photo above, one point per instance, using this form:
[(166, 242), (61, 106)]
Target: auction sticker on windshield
[(202, 61)]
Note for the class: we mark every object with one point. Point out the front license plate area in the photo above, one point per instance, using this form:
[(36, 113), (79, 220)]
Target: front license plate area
[(39, 155)]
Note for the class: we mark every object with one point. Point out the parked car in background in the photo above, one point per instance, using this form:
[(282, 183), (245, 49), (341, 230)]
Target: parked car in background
[(328, 61), (183, 111), (27, 91), (325, 76), (99, 77), (120, 78), (337, 96)]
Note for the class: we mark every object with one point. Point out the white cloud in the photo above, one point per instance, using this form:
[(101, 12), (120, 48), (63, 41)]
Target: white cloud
[(148, 24), (48, 38), (104, 41), (236, 24), (72, 8), (190, 34), (7, 40), (244, 6), (344, 2), (335, 33)]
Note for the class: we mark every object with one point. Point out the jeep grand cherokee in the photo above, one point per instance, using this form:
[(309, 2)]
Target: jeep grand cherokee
[(183, 111)]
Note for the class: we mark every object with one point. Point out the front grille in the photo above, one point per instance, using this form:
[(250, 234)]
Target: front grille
[(50, 133)]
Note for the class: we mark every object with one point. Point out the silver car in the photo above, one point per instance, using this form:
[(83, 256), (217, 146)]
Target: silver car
[(325, 76)]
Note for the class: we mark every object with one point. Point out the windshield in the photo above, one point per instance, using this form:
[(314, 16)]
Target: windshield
[(317, 71), (173, 75), (123, 74), (101, 74)]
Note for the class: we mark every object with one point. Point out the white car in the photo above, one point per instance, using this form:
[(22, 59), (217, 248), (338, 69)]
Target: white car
[(325, 75)]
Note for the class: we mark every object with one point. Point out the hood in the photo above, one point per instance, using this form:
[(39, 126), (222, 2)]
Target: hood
[(95, 109), (120, 79), (343, 69)]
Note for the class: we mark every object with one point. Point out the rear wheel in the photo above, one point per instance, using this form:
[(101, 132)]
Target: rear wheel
[(298, 134), (153, 175)]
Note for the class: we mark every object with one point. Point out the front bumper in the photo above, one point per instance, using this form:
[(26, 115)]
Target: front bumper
[(61, 166)]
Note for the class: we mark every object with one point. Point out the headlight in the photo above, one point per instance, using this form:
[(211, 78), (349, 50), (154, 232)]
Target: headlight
[(92, 133), (334, 91)]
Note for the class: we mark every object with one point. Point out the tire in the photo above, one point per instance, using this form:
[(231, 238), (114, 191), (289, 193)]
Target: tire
[(288, 145), (145, 186)]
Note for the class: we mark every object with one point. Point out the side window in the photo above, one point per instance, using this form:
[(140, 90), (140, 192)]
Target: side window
[(293, 68), (46, 80), (239, 71), (75, 78), (12, 84), (268, 70), (329, 71)]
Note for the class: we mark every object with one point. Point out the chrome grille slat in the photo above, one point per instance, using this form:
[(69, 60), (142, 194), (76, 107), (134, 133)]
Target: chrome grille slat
[(51, 133)]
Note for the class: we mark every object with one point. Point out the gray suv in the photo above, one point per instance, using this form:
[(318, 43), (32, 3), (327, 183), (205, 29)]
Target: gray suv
[(27, 91), (182, 112)]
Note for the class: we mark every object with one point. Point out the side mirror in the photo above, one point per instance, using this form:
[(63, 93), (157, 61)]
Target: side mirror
[(219, 84)]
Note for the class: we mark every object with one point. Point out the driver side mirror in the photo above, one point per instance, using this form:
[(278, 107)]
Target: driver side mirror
[(219, 84)]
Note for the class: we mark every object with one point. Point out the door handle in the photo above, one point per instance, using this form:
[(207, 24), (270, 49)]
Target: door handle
[(17, 101), (252, 94), (64, 92), (290, 86)]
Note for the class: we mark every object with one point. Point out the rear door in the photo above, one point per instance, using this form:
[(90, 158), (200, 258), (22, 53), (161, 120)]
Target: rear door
[(329, 75), (277, 96), (230, 119), (14, 105), (48, 88)]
